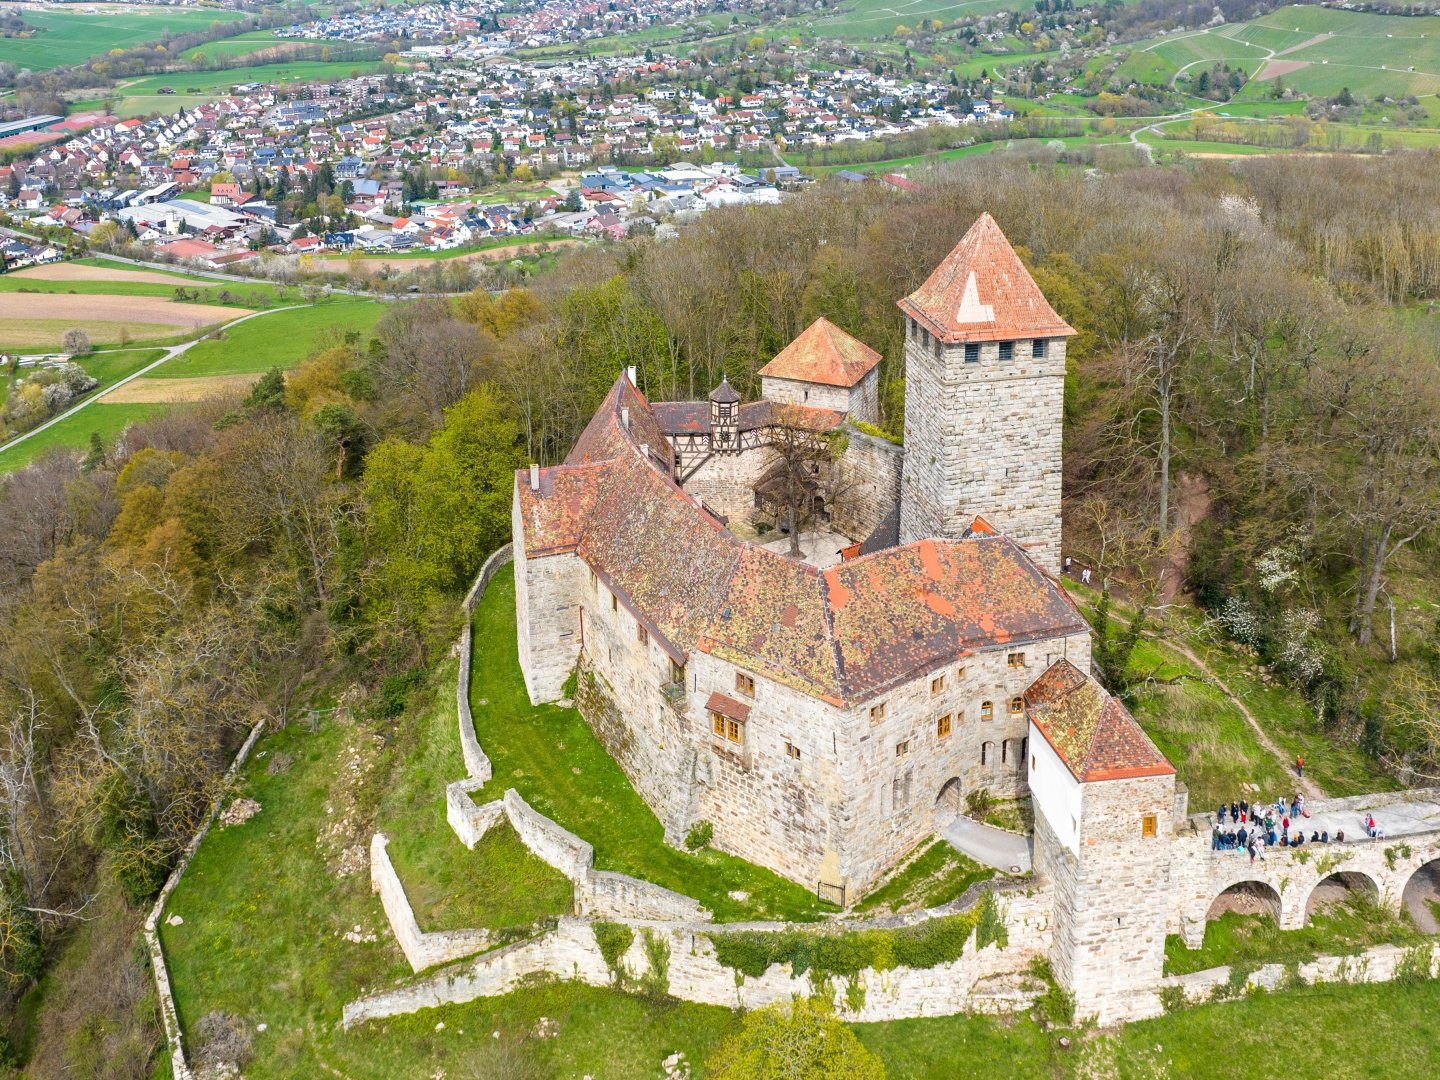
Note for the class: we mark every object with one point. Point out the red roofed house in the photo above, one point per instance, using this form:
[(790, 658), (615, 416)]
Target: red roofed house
[(827, 716)]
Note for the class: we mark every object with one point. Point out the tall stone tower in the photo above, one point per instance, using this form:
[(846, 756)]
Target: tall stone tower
[(1105, 811), (984, 392)]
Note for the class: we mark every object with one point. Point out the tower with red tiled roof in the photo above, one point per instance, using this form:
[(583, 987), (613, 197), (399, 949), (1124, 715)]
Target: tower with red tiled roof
[(984, 392), (825, 368), (1106, 811)]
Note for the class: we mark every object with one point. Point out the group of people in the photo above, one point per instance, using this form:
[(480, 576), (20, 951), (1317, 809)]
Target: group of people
[(1069, 564), (1242, 827)]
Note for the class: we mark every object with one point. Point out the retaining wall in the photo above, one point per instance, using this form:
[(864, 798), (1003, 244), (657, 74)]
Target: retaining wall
[(168, 1014), (694, 974), (421, 949)]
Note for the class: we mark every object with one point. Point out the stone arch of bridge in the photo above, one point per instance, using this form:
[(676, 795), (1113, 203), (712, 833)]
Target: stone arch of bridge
[(1247, 896), (1338, 887), (1420, 896)]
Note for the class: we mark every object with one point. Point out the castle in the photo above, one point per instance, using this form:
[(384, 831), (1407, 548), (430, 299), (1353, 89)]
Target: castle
[(823, 714)]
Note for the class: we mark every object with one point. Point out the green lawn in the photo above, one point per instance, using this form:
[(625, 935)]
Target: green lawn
[(210, 82), (1334, 1032), (74, 432), (69, 37), (937, 876), (259, 294), (554, 760), (500, 885), (280, 338)]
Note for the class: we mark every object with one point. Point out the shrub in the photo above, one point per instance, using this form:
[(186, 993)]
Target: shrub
[(655, 983), (803, 1040), (978, 803), (1172, 998), (614, 940), (222, 1039), (700, 835), (991, 927)]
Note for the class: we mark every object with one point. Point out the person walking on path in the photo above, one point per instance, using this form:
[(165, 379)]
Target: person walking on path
[(1085, 576), (1299, 766)]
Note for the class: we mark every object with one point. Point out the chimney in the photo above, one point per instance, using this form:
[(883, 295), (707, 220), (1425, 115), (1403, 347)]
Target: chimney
[(625, 417), (630, 371), (534, 477), (645, 451)]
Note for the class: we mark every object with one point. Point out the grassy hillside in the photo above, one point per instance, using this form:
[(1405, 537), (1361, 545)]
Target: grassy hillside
[(282, 339), (70, 37)]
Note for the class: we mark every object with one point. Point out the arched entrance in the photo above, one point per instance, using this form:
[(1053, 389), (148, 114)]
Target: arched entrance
[(947, 803), (1421, 897), (1246, 898), (1338, 889)]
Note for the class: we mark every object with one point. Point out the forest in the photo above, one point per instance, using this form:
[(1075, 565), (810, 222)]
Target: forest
[(1252, 421)]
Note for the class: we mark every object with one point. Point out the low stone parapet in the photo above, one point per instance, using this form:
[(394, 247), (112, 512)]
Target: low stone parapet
[(422, 950), (1379, 964), (608, 895), (470, 820)]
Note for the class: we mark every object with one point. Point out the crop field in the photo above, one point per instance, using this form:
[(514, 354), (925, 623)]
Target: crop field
[(69, 38), (141, 97), (239, 45), (40, 320)]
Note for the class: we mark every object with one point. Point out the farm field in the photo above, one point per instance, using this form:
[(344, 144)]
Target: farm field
[(139, 97), (71, 37), (278, 339), (40, 320)]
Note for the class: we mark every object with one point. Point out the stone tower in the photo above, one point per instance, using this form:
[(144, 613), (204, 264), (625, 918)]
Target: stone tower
[(1105, 813), (984, 392)]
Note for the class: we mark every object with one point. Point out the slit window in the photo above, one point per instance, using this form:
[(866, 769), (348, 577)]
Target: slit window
[(728, 729), (987, 710), (985, 753), (943, 726), (641, 634), (614, 602)]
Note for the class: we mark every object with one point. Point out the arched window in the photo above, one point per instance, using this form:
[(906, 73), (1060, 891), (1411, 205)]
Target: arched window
[(1017, 706), (1005, 751), (987, 751), (987, 710)]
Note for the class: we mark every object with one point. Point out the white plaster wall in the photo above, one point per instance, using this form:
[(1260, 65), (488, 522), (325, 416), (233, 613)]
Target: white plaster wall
[(1056, 791)]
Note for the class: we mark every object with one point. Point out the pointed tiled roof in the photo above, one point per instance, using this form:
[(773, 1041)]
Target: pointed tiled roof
[(982, 292), (823, 353), (724, 394), (1094, 735)]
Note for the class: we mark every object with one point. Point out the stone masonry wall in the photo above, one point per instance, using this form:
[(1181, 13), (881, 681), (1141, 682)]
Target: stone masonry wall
[(984, 438), (695, 975), (725, 483), (870, 472), (1113, 902), (797, 392), (547, 619), (422, 950)]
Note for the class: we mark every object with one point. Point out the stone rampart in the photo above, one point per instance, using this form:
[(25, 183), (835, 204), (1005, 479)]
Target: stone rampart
[(693, 973), (421, 949), (169, 1015), (1382, 963), (870, 470), (476, 763), (469, 819)]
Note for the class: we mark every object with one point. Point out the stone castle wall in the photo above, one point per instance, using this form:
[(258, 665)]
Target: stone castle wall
[(694, 974), (984, 438), (421, 950), (725, 483), (815, 395), (547, 617), (870, 472)]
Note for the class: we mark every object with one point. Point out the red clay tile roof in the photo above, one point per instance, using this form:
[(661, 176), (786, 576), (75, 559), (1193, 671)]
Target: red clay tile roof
[(982, 292), (728, 706), (693, 417), (844, 636), (825, 354), (1094, 735)]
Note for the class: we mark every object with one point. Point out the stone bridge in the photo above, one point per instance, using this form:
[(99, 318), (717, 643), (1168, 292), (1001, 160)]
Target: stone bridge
[(1401, 869)]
